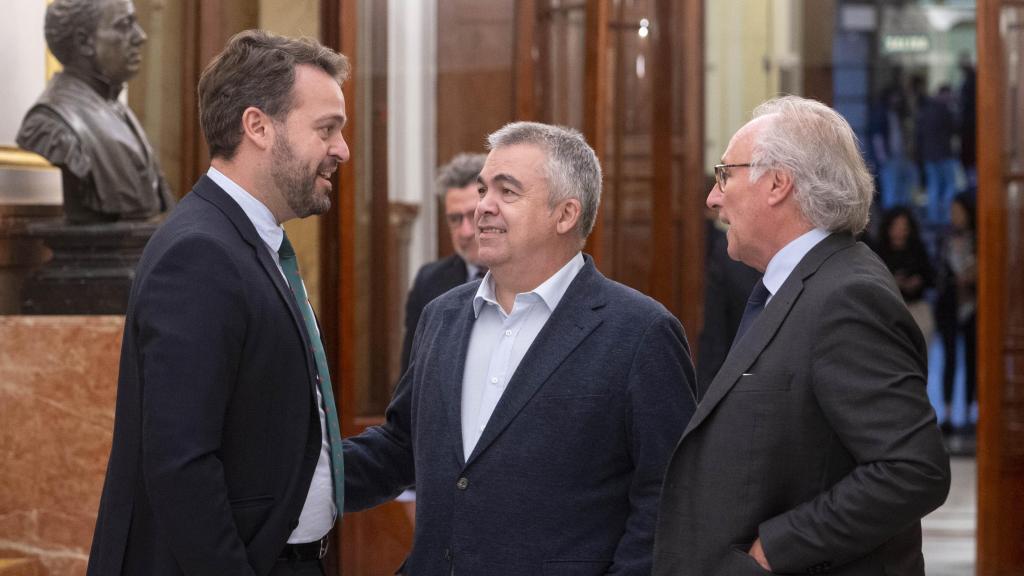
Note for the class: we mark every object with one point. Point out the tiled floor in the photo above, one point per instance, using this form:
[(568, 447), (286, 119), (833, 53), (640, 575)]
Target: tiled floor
[(949, 531), (949, 546)]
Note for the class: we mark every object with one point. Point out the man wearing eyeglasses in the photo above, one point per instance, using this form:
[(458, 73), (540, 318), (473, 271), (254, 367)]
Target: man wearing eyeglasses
[(456, 185), (814, 449)]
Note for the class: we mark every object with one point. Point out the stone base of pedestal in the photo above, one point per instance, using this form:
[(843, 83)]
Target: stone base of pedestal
[(20, 254), (92, 268)]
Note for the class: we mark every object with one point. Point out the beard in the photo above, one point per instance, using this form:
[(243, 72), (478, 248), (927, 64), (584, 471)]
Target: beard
[(298, 182)]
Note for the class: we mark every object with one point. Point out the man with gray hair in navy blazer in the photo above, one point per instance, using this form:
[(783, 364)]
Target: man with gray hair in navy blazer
[(541, 403)]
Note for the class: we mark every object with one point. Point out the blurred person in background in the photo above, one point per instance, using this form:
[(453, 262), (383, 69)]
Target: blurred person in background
[(456, 185), (900, 246), (956, 305)]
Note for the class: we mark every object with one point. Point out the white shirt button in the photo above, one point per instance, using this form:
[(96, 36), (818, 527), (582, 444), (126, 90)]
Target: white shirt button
[(508, 332), (494, 380)]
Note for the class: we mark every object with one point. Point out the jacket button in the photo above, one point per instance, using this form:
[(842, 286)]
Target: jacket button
[(463, 483)]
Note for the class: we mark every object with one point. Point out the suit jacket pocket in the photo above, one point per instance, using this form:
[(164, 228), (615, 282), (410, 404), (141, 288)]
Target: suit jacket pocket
[(570, 397), (765, 381), (576, 567), (250, 513), (738, 563)]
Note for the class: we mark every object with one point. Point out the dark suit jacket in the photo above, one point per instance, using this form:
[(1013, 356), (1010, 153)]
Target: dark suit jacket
[(216, 434), (566, 476), (816, 435), (432, 280)]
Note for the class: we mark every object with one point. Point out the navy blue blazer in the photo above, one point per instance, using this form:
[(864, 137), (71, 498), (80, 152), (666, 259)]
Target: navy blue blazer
[(566, 476), (216, 434)]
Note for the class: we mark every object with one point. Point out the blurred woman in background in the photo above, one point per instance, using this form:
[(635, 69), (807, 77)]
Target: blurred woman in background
[(901, 248)]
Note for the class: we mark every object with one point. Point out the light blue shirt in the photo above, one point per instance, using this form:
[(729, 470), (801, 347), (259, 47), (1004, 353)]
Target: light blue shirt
[(261, 217), (499, 341), (318, 513), (784, 262)]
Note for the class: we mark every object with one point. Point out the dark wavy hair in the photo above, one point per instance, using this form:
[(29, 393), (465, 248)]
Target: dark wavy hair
[(966, 201), (884, 243), (256, 69)]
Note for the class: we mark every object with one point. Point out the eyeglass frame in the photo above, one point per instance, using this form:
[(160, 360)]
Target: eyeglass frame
[(455, 219), (722, 178)]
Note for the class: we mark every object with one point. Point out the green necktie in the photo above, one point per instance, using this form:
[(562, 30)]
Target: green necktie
[(291, 272)]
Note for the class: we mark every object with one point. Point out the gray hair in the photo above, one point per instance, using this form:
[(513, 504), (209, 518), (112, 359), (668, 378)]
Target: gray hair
[(573, 170), (459, 172), (816, 145), (63, 18)]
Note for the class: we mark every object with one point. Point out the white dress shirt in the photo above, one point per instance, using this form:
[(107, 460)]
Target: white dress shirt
[(499, 341), (319, 511), (784, 262)]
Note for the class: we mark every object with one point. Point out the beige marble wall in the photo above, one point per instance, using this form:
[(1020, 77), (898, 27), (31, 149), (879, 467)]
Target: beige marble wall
[(58, 379)]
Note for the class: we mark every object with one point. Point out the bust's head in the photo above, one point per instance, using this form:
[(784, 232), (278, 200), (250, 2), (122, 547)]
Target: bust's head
[(96, 37)]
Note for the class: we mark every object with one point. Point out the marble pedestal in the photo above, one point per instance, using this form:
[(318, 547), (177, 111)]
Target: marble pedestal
[(92, 268), (58, 383), (20, 254)]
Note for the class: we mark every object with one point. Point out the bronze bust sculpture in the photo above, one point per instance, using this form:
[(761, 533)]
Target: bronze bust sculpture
[(109, 171)]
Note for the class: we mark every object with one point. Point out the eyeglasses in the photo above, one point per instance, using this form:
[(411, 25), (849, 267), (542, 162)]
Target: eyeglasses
[(455, 219), (722, 173)]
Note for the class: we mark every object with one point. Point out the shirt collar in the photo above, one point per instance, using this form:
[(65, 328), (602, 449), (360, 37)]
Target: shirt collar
[(784, 262), (550, 292), (262, 219)]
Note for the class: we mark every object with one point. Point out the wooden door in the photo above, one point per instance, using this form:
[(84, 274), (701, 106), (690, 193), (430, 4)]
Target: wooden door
[(629, 76), (1001, 287), (359, 300)]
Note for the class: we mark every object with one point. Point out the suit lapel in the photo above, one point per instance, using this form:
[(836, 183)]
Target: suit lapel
[(572, 321), (457, 320), (746, 351), (211, 192)]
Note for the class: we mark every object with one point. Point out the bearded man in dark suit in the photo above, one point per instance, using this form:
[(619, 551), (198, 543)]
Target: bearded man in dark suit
[(224, 459)]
